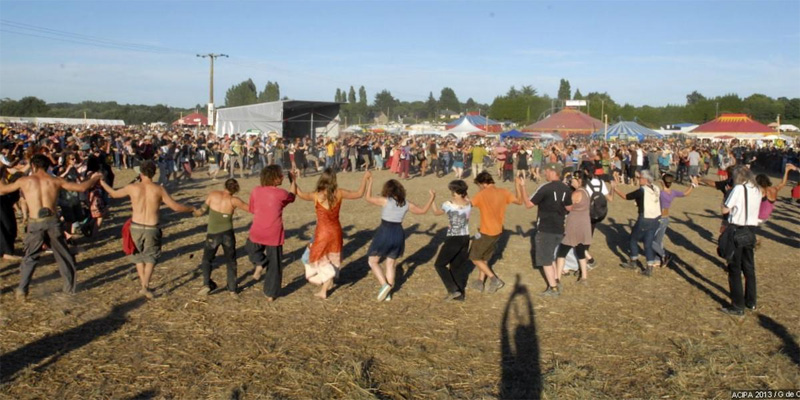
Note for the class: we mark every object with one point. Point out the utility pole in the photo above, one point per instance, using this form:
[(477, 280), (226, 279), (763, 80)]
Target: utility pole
[(211, 56)]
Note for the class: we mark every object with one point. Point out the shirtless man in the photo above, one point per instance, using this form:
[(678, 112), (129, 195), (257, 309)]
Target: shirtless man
[(222, 204), (40, 191), (146, 198)]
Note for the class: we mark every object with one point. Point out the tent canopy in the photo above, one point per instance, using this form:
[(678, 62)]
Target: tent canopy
[(627, 130), (193, 119), (477, 123), (513, 134), (734, 124), (567, 121)]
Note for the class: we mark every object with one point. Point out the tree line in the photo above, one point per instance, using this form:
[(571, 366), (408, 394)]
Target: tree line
[(523, 105)]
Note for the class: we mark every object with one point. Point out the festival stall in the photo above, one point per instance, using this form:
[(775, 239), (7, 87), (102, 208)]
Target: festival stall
[(566, 122), (739, 126), (627, 131), (473, 123)]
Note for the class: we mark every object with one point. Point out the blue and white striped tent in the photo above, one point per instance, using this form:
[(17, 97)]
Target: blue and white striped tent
[(628, 131)]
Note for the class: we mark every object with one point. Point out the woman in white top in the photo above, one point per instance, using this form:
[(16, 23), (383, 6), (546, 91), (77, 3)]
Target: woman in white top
[(742, 206)]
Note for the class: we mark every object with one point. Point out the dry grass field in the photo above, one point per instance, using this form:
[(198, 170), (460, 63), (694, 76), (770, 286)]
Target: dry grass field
[(623, 336)]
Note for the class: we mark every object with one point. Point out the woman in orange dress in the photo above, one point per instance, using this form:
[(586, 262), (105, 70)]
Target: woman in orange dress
[(394, 163), (325, 260)]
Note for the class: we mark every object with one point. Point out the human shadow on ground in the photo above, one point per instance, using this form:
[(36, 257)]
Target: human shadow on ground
[(286, 260), (55, 346), (144, 395), (681, 241), (521, 376), (617, 237), (790, 347), (422, 256), (696, 279)]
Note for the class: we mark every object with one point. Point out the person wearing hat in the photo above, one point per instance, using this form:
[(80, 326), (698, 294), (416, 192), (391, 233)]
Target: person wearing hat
[(648, 202), (554, 201)]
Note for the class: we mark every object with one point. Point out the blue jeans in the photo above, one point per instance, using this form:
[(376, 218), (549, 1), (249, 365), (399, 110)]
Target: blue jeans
[(644, 230), (329, 162), (658, 242), (378, 161)]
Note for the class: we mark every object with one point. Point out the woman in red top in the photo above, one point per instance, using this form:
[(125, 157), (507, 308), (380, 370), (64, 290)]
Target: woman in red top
[(265, 244), (325, 260)]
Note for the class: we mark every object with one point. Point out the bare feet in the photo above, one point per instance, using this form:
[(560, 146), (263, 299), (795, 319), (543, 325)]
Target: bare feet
[(322, 294), (270, 299), (148, 294), (20, 295), (257, 274), (11, 257)]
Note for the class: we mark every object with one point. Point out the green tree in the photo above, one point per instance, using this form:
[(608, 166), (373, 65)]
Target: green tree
[(338, 96), (431, 106), (242, 94), (351, 97), (512, 93), (270, 93), (527, 90), (762, 107), (385, 102), (471, 105), (448, 100), (577, 95), (694, 98), (362, 96), (564, 92)]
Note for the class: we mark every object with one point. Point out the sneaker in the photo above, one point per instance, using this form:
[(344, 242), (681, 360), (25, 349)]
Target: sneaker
[(666, 260), (631, 264), (647, 271), (737, 312), (453, 295), (550, 292), (751, 308), (476, 285), (385, 289), (559, 286), (205, 290), (388, 297), (495, 284)]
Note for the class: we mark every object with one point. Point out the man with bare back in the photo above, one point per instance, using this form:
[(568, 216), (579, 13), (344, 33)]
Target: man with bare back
[(221, 205), (41, 191), (146, 199)]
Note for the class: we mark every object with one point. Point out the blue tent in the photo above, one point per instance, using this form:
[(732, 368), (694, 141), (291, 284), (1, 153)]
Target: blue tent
[(513, 134), (627, 130)]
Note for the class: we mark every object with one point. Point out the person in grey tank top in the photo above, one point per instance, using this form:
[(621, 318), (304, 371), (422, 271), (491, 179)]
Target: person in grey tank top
[(389, 239)]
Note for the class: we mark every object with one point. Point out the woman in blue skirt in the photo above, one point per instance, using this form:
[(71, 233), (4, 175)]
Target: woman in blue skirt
[(389, 240)]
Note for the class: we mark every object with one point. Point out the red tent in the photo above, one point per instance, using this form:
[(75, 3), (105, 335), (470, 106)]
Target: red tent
[(193, 119), (568, 121), (734, 124)]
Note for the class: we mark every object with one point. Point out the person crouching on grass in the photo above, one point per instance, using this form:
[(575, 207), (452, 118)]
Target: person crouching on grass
[(455, 250), (389, 240), (492, 202), (221, 204), (265, 244)]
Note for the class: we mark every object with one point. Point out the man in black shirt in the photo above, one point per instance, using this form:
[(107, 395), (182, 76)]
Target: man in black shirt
[(554, 200)]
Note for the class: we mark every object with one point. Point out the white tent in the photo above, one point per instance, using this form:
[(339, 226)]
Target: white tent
[(264, 117), (463, 129)]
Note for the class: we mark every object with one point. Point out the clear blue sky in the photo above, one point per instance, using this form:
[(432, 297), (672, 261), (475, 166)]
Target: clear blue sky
[(642, 52)]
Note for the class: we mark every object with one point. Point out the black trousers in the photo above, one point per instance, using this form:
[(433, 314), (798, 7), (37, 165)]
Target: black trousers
[(455, 252), (268, 257), (743, 262), (228, 242), (48, 232)]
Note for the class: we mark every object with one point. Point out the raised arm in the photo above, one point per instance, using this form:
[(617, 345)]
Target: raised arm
[(115, 194), (84, 186), (789, 167), (301, 194), (378, 201), (691, 187), (424, 210), (350, 195), (174, 205)]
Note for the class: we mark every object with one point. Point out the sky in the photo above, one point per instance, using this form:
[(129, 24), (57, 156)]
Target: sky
[(640, 52)]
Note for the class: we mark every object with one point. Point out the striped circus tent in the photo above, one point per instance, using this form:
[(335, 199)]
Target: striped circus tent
[(627, 131)]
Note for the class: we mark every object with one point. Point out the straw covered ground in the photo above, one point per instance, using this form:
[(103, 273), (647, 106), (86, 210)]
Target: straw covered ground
[(623, 336)]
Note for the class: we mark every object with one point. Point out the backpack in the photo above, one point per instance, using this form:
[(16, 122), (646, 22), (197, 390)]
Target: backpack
[(598, 204)]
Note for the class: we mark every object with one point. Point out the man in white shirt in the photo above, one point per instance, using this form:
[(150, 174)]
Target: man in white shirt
[(742, 207), (694, 162)]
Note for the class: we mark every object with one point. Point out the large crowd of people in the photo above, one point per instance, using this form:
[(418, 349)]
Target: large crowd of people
[(58, 181)]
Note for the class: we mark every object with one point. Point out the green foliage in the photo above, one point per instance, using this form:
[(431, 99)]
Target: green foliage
[(29, 106), (351, 97), (694, 98), (242, 94), (385, 102), (431, 106), (564, 92), (528, 90), (448, 100), (471, 105), (338, 96), (577, 95), (271, 92), (362, 96)]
